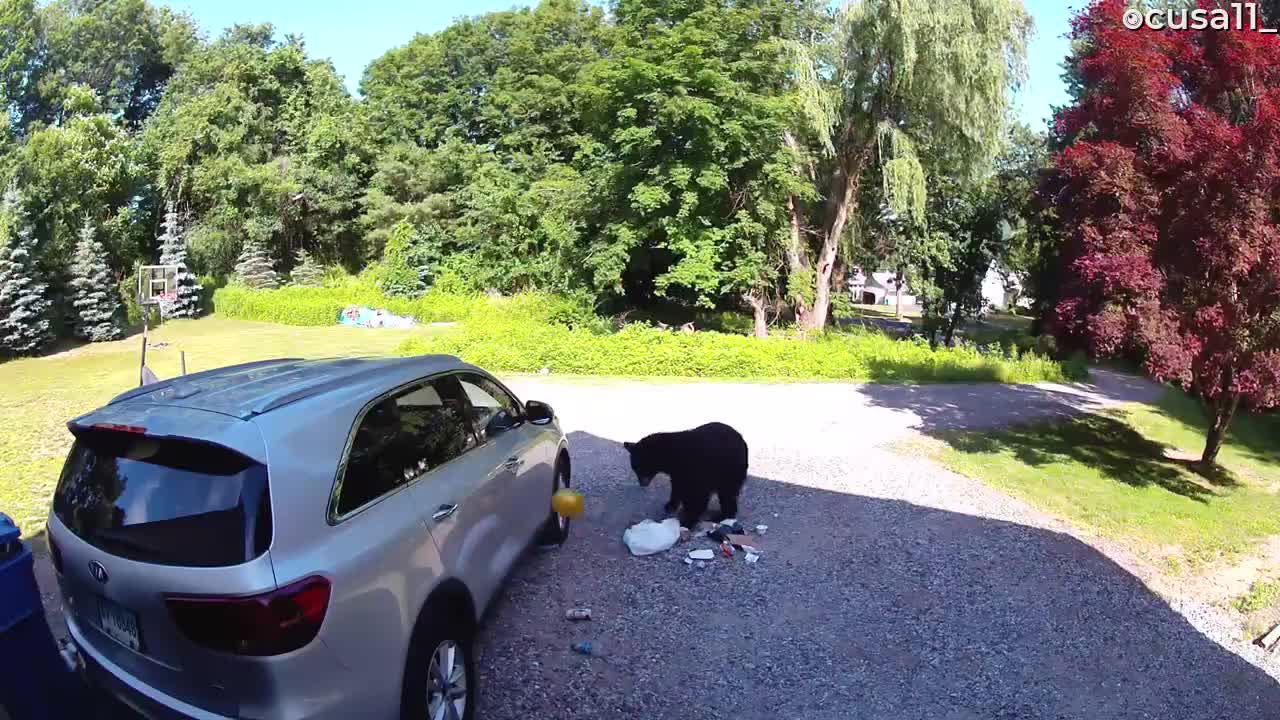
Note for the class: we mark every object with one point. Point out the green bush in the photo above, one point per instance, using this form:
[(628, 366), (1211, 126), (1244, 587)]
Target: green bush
[(641, 350), (321, 305)]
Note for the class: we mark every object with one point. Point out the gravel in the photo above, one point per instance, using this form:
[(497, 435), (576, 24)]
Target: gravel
[(887, 587)]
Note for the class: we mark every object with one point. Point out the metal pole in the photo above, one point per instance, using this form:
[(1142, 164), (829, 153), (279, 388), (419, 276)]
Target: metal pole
[(142, 366), (182, 356)]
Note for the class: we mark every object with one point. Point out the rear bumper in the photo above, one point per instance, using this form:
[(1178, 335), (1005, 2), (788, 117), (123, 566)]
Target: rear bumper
[(108, 677)]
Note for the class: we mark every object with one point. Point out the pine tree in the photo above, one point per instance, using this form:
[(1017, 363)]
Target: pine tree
[(254, 267), (24, 299), (173, 251), (92, 290), (308, 272)]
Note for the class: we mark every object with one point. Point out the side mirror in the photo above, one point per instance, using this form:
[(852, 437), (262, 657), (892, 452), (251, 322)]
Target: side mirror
[(539, 413)]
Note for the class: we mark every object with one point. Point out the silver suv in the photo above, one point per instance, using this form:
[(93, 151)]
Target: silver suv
[(300, 539)]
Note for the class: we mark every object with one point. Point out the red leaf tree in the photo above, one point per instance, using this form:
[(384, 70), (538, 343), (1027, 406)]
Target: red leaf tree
[(1169, 190)]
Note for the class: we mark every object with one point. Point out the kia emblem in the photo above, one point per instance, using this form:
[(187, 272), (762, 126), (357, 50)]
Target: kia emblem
[(98, 572)]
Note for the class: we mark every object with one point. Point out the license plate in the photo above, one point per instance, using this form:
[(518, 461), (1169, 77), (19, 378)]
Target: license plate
[(119, 624)]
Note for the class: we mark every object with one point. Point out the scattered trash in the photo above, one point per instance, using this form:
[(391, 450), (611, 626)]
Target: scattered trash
[(544, 371), (361, 316), (158, 345), (577, 614), (727, 549), (1270, 641), (648, 537), (728, 521), (703, 554), (701, 564), (584, 648), (752, 558), (762, 529), (723, 532), (688, 561), (748, 549)]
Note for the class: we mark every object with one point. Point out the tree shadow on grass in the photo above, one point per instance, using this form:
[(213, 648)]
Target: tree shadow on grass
[(1099, 441), (860, 606)]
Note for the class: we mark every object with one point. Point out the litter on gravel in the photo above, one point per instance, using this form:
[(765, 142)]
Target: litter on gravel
[(703, 554)]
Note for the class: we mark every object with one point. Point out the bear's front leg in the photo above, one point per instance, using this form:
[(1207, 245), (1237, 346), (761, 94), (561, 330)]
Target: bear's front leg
[(674, 502)]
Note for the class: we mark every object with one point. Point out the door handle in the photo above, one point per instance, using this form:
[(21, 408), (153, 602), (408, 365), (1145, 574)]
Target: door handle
[(513, 463), (444, 512)]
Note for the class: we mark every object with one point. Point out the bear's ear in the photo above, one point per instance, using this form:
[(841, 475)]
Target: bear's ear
[(629, 446)]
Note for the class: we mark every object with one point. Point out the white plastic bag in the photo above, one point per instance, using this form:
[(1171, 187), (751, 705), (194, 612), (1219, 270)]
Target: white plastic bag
[(648, 537)]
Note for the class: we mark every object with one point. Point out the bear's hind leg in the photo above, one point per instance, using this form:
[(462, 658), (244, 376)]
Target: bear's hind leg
[(728, 504)]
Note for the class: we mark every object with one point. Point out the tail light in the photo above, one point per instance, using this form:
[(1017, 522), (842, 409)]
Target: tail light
[(55, 553), (273, 623)]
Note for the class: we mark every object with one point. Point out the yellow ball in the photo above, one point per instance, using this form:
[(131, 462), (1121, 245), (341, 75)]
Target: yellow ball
[(568, 503)]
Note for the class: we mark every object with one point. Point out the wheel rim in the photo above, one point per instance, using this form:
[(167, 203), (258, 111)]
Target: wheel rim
[(447, 683), (561, 520)]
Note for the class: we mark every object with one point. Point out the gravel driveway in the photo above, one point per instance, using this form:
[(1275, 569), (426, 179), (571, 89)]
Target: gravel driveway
[(888, 588)]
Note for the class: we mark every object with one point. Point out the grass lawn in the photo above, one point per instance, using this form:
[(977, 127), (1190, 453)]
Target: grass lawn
[(38, 395), (1127, 474)]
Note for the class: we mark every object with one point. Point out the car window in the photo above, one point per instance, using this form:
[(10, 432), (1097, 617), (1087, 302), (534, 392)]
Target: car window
[(169, 501), (492, 408), (402, 437)]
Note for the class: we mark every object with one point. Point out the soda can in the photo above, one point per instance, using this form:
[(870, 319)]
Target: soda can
[(578, 614)]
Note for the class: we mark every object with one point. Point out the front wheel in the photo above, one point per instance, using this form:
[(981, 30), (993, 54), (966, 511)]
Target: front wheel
[(555, 530)]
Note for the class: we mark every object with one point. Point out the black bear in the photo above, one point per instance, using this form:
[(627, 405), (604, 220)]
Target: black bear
[(702, 461)]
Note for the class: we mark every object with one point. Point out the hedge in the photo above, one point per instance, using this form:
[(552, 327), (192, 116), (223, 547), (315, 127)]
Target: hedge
[(640, 350), (321, 305)]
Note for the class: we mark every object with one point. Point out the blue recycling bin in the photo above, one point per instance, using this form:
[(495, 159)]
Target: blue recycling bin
[(35, 683)]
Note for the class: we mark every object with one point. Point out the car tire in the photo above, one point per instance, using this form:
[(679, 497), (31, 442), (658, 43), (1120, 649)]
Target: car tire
[(555, 530), (442, 644)]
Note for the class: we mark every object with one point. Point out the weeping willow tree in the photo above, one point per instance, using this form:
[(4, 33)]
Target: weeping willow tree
[(882, 81)]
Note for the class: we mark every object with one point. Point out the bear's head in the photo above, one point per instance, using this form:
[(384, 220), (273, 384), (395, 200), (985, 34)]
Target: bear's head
[(644, 463)]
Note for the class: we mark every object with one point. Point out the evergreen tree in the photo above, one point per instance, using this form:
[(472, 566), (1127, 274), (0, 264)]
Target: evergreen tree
[(254, 267), (308, 272), (24, 300), (93, 291), (173, 251)]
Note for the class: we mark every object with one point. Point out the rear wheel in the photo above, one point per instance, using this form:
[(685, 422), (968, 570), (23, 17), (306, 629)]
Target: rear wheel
[(439, 680), (556, 528)]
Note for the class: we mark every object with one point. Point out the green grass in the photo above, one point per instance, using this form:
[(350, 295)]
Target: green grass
[(1262, 594), (38, 395), (642, 351), (1127, 474)]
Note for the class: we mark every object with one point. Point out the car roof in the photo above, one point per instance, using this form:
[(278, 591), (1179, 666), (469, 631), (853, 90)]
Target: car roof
[(255, 388)]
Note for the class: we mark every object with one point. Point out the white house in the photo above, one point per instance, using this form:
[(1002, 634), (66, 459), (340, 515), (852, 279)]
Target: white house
[(881, 288)]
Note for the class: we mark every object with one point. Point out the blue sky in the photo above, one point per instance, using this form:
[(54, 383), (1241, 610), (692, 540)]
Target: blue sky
[(353, 34)]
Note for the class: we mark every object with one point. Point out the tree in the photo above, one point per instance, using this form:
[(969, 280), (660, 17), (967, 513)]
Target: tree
[(93, 291), (255, 269), (173, 251), (24, 303), (689, 171), (122, 51), (971, 217), (401, 273), (259, 142), (308, 272), (884, 78), (1167, 193)]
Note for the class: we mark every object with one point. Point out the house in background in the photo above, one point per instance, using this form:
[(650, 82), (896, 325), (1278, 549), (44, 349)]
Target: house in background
[(879, 288)]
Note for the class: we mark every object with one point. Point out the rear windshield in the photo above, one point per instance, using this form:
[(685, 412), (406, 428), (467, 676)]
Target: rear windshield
[(173, 502)]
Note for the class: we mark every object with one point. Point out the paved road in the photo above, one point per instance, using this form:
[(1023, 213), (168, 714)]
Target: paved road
[(889, 588)]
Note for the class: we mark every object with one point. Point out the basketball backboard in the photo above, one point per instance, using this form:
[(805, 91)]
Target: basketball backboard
[(157, 284)]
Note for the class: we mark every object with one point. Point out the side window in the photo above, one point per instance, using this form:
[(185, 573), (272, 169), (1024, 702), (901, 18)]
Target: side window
[(494, 410), (402, 437)]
